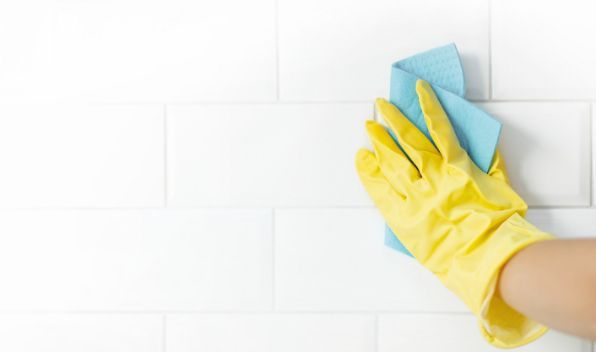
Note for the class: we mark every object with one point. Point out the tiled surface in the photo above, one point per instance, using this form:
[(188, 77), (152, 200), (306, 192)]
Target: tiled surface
[(362, 273), (134, 50), (135, 260), (61, 155), (427, 332), (565, 223), (333, 50), (270, 332), (179, 175), (546, 147), (78, 332), (541, 49), (265, 155)]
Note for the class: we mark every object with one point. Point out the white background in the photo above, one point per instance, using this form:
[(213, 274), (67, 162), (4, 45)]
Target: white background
[(177, 176)]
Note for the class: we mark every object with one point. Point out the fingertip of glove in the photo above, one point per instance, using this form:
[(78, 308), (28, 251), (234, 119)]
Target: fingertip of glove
[(422, 86), (381, 105), (380, 101), (365, 160), (370, 127), (373, 127), (426, 95), (419, 84), (364, 154)]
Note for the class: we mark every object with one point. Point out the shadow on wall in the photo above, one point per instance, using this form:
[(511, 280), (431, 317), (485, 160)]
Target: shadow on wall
[(515, 140), (472, 66)]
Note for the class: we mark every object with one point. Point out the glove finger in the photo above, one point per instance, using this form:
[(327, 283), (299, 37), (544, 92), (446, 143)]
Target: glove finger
[(394, 164), (414, 143), (375, 183), (498, 169), (438, 123)]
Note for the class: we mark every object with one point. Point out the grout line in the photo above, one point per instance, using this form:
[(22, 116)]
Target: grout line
[(587, 345), (558, 207), (316, 102), (273, 263), (375, 115), (83, 208), (246, 208), (536, 101), (592, 153), (165, 313), (164, 331), (277, 78), (376, 333), (490, 53), (165, 155), (275, 102), (187, 208)]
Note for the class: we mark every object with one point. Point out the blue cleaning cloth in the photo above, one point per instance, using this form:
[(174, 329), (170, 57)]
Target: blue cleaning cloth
[(477, 131)]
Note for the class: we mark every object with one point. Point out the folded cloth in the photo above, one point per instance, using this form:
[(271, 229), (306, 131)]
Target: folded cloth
[(477, 131)]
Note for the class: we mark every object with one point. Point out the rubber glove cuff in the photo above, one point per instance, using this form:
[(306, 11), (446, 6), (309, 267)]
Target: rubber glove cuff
[(500, 324)]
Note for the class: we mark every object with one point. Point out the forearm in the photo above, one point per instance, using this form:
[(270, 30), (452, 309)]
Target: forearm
[(554, 283)]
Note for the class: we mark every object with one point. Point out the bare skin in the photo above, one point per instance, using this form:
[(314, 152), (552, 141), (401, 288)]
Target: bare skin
[(554, 283)]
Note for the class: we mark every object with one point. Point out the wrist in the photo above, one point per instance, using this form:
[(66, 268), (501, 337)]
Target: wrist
[(474, 275)]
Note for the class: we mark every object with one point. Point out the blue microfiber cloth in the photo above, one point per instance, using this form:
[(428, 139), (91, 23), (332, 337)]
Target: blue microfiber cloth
[(477, 131)]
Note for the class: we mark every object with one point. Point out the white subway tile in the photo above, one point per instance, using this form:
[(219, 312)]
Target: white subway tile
[(134, 50), (336, 260), (282, 155), (565, 223), (543, 49), (76, 333), (429, 333), (333, 50), (547, 151), (135, 260), (270, 333), (327, 260), (81, 155)]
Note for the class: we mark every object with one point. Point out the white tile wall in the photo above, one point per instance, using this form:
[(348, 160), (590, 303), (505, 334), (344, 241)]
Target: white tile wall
[(565, 223), (247, 155), (59, 155), (542, 49), (428, 332), (546, 147), (268, 333), (138, 50), (338, 50), (135, 260), (178, 176), (335, 259), (81, 332)]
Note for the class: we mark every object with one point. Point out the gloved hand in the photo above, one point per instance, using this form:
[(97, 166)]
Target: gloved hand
[(459, 222)]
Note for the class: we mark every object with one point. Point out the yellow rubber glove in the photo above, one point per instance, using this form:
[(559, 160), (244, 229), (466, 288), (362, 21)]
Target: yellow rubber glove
[(459, 222)]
